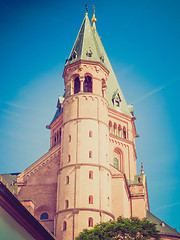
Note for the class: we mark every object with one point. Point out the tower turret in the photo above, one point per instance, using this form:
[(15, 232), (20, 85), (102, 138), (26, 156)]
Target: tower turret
[(84, 183)]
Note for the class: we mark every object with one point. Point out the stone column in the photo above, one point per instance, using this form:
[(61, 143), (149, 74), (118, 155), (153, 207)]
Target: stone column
[(81, 83)]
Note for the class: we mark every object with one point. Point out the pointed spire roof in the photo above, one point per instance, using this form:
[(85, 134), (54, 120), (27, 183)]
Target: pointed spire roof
[(85, 47), (88, 47)]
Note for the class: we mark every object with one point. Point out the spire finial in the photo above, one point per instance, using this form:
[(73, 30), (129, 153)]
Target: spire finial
[(86, 10), (94, 20), (142, 169)]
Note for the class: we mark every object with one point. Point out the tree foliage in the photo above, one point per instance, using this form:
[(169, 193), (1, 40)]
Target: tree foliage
[(122, 228)]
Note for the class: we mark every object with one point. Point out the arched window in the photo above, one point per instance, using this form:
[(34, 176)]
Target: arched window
[(110, 127), (108, 201), (116, 163), (44, 216), (103, 87), (90, 134), (60, 134), (67, 179), (64, 226), (57, 136), (69, 138), (115, 128), (69, 158), (90, 199), (124, 133), (76, 85), (90, 174), (88, 84), (66, 204), (90, 154), (90, 222), (118, 159), (119, 130)]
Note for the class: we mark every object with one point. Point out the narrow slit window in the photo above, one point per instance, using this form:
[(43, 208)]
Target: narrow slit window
[(108, 201), (90, 174), (90, 199), (67, 179), (90, 154), (90, 134), (64, 226), (124, 133), (60, 134), (90, 222), (66, 204)]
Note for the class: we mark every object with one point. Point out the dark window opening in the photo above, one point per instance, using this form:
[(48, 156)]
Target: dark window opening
[(90, 174), (44, 216), (90, 224), (76, 85), (116, 163), (88, 84), (67, 179), (90, 199), (124, 134), (66, 204), (90, 134), (64, 226), (60, 134)]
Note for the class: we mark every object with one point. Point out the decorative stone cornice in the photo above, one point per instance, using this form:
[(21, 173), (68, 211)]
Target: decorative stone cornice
[(82, 67)]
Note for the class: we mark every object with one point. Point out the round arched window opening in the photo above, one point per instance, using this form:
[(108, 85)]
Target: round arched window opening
[(90, 174), (90, 199), (88, 84), (76, 85), (66, 204), (44, 216), (90, 222), (116, 163)]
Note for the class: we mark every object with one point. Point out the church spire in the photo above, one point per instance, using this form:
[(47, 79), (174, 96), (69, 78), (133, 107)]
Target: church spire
[(85, 46), (88, 47)]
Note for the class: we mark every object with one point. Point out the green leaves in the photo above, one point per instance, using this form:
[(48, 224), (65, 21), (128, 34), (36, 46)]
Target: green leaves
[(122, 228)]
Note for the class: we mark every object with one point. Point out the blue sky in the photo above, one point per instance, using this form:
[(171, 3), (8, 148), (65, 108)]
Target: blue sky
[(142, 41)]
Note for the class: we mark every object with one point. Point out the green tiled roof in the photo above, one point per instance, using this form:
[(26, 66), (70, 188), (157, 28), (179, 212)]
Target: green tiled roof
[(162, 227), (85, 47), (88, 47)]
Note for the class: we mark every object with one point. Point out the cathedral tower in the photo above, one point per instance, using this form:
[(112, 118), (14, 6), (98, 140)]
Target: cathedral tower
[(84, 184), (89, 174)]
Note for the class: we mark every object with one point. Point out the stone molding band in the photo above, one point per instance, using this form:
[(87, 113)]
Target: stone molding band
[(84, 164), (76, 211)]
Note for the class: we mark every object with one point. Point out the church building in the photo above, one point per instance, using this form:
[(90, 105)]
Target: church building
[(88, 176)]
